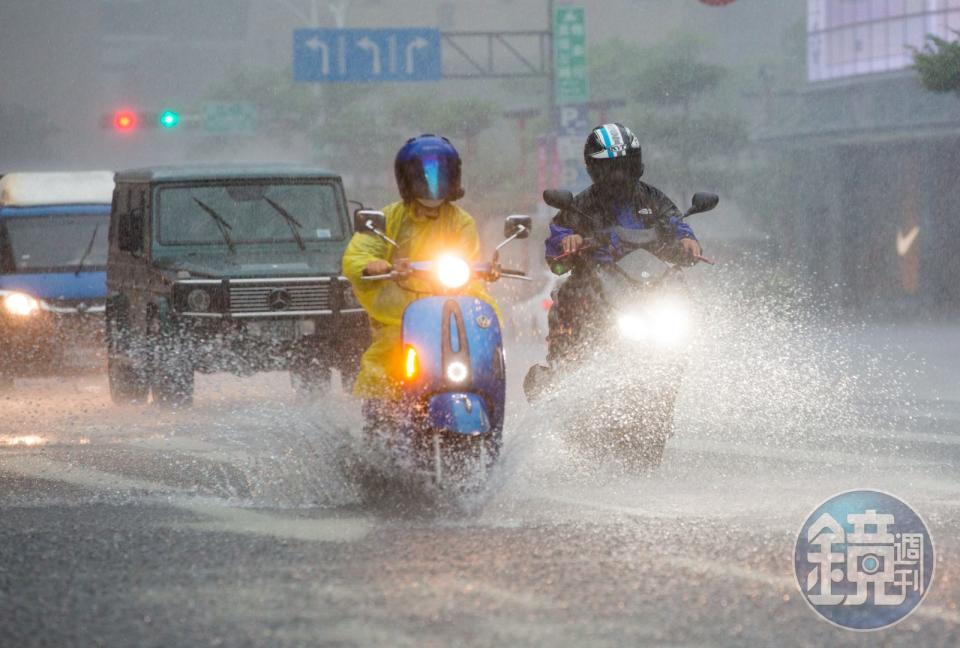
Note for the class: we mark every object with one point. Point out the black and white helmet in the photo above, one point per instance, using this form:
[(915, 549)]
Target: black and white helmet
[(613, 155)]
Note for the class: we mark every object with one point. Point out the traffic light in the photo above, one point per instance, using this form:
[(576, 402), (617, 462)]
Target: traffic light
[(169, 119), (125, 121)]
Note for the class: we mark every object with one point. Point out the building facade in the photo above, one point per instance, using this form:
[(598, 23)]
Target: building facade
[(867, 160)]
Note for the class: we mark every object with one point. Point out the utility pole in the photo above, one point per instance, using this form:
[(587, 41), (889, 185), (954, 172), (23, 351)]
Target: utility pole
[(552, 76), (339, 11)]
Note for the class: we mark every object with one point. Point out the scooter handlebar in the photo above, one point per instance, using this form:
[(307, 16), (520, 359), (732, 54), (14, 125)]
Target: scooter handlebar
[(514, 274), (379, 277), (589, 245)]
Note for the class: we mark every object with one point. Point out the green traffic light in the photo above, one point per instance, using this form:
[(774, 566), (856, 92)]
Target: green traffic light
[(169, 119)]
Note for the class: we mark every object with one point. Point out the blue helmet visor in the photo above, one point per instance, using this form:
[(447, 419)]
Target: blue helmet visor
[(436, 177)]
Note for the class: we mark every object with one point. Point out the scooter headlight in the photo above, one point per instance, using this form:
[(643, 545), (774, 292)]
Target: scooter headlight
[(452, 271), (20, 304)]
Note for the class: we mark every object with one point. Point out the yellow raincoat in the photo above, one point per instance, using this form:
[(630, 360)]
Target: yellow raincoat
[(420, 239)]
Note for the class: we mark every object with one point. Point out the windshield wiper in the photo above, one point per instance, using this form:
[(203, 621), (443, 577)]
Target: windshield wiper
[(93, 238), (222, 225), (292, 222)]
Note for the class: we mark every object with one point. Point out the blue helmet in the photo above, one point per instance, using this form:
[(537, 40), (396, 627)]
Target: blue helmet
[(428, 167)]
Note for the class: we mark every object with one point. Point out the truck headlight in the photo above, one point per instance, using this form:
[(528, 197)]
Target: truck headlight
[(20, 304), (198, 300)]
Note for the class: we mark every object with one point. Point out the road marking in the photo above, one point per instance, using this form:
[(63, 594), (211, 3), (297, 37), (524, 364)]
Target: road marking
[(225, 518), (238, 520), (43, 468)]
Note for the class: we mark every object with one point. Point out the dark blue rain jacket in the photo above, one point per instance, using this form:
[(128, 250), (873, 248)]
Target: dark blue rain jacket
[(597, 213)]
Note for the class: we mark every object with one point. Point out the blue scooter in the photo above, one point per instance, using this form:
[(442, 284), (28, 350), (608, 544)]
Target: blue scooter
[(450, 418)]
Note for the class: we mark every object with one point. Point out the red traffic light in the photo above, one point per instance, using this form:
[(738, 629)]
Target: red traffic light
[(125, 120)]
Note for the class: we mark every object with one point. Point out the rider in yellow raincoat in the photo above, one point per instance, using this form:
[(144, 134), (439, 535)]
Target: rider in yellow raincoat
[(425, 224)]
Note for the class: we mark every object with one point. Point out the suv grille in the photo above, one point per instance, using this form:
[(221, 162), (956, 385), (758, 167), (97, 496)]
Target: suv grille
[(277, 298)]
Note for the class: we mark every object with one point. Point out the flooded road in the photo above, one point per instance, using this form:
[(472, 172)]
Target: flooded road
[(242, 521)]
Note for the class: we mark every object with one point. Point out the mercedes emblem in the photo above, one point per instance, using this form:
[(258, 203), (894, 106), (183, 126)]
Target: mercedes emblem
[(279, 300)]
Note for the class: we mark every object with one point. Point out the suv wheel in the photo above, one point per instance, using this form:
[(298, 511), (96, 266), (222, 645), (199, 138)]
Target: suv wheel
[(172, 378), (128, 382), (173, 385), (127, 385)]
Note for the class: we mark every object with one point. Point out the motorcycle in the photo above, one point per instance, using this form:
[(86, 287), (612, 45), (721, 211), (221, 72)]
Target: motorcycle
[(448, 423), (636, 341)]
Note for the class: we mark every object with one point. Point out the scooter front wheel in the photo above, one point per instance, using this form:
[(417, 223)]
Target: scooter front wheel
[(457, 460)]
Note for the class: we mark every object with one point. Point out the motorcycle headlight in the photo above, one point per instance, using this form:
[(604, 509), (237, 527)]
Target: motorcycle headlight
[(20, 304), (632, 327), (198, 300), (452, 271), (669, 323), (664, 323)]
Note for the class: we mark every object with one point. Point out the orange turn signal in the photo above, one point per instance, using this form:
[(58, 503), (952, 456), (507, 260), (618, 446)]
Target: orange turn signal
[(412, 366)]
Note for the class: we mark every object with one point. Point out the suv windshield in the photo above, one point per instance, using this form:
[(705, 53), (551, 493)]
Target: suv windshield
[(54, 242), (236, 213)]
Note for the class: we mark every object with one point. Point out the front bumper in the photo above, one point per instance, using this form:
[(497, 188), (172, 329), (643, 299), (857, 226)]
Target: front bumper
[(255, 298), (263, 324), (246, 345)]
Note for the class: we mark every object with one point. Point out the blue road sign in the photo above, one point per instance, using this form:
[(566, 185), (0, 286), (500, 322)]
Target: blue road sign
[(351, 55)]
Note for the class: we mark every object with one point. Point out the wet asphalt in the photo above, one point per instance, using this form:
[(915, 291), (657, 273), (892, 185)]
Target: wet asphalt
[(255, 519)]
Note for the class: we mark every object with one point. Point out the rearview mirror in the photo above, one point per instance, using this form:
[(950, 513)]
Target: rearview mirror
[(517, 225), (703, 202), (369, 220), (558, 198)]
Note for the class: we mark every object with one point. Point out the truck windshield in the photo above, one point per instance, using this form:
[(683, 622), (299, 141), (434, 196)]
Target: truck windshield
[(237, 213), (54, 243)]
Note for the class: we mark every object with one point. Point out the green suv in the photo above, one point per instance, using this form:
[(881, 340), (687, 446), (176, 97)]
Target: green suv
[(228, 269)]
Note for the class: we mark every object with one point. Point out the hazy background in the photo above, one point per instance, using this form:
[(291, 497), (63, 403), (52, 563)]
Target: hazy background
[(818, 177)]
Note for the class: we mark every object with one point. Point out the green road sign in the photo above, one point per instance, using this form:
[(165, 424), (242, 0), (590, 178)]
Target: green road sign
[(229, 117), (570, 55)]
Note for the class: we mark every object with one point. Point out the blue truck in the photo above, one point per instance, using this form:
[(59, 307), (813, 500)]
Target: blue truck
[(53, 256)]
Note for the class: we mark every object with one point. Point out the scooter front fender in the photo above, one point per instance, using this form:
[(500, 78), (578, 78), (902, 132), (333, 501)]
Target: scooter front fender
[(459, 413)]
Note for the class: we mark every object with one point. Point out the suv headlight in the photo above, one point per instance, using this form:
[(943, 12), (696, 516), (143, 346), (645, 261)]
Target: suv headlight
[(198, 300), (20, 304), (198, 297)]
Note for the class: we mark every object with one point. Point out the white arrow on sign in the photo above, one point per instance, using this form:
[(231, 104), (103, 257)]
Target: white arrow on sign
[(317, 45), (415, 44), (342, 54), (392, 55), (367, 44)]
